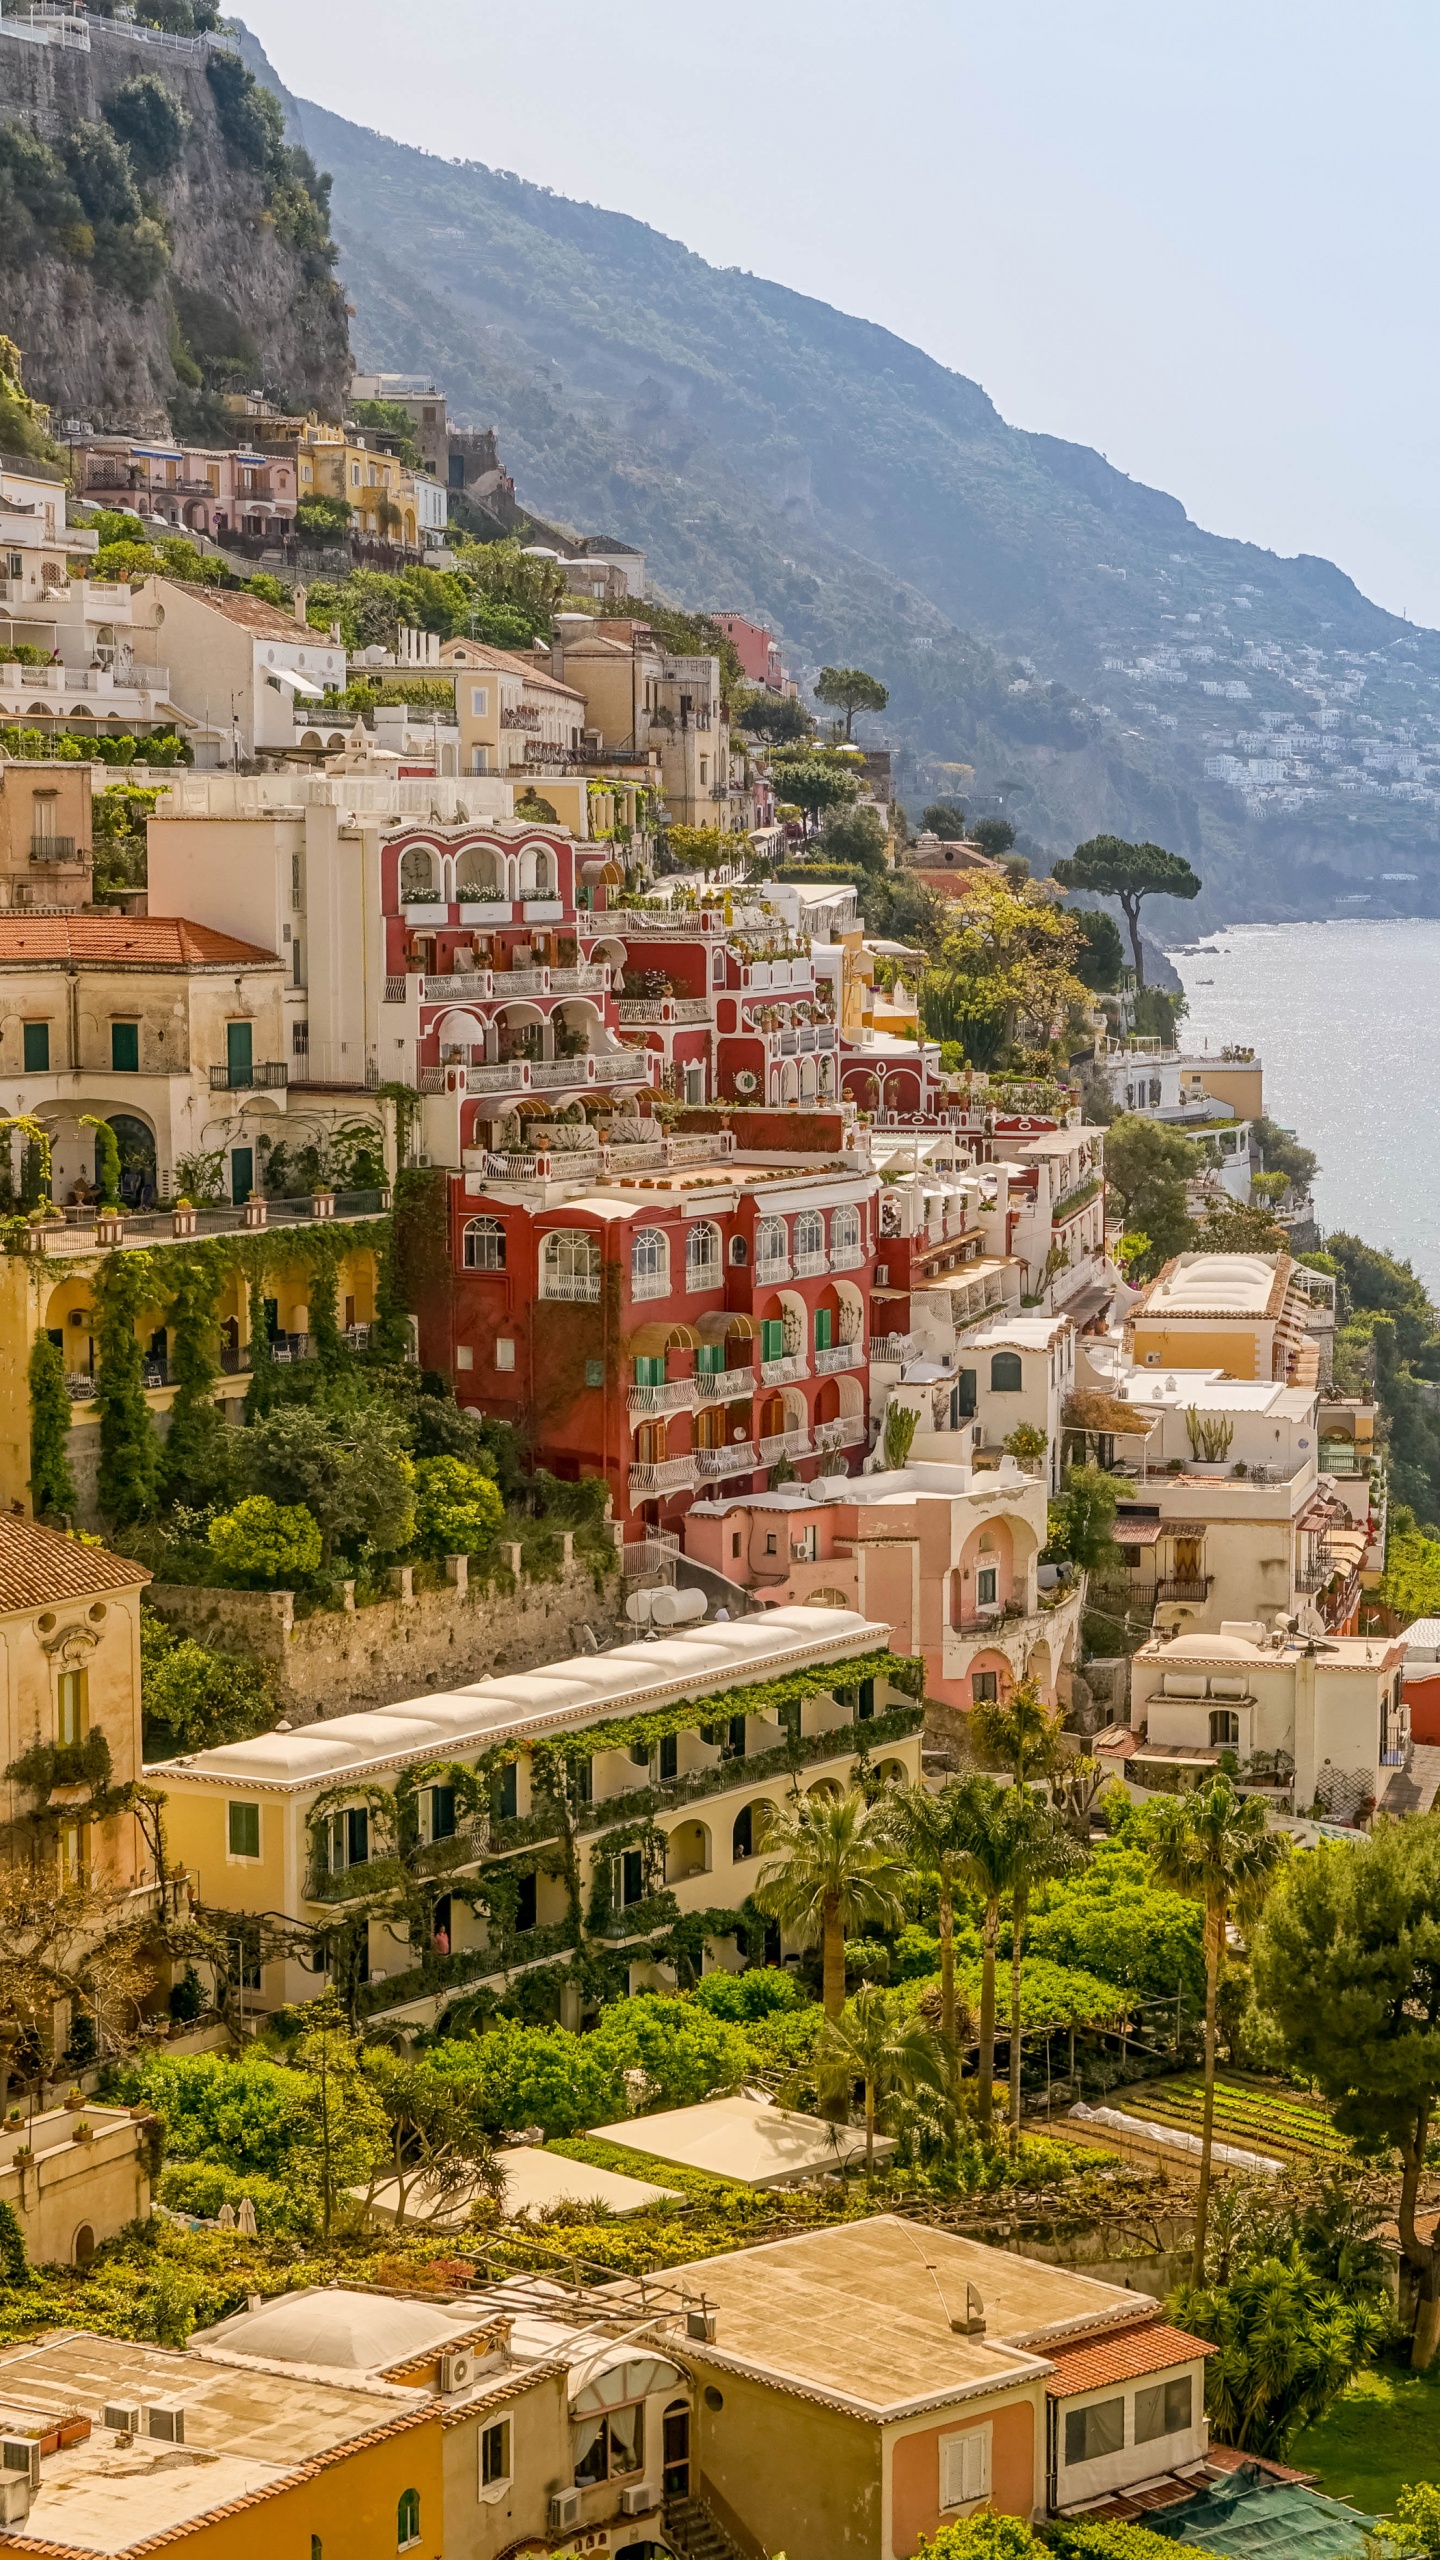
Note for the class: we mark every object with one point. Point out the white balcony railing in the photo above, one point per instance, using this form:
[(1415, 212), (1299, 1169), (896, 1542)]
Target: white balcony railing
[(647, 1284), (729, 1384), (846, 1432), (664, 1475), (768, 1272), (582, 1286), (846, 1257), (811, 1266), (892, 1350), (784, 1444), (784, 1372), (840, 1355), (736, 1460), (676, 1395)]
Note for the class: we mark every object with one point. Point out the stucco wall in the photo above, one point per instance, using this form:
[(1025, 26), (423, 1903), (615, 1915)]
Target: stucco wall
[(785, 2473), (335, 1661)]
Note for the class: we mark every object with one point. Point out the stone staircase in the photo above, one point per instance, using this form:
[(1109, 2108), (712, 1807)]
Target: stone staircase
[(691, 2529)]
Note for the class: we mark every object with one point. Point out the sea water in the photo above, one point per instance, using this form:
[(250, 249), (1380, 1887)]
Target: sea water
[(1346, 1019)]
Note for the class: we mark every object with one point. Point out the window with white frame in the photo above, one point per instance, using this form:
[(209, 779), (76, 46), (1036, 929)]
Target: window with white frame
[(570, 1264), (1165, 2409), (485, 1244), (495, 2465), (417, 873), (845, 1231), (479, 701), (702, 1257), (965, 2467), (649, 1263), (809, 1236), (1093, 2432), (771, 1240)]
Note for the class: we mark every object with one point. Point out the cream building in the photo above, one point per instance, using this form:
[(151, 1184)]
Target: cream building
[(46, 857), (1254, 1315), (298, 1823), (170, 1031), (70, 1628), (1315, 1723), (236, 666)]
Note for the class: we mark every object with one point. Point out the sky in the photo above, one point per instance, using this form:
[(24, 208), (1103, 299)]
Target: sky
[(1201, 240)]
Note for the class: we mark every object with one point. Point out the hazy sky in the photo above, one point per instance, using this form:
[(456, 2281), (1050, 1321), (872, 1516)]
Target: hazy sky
[(1202, 240)]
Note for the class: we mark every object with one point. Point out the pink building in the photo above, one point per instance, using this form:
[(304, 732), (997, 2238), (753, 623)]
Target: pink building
[(194, 488), (949, 1555), (758, 651)]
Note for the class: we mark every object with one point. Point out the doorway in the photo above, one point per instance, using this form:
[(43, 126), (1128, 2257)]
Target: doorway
[(677, 2450), (242, 1174)]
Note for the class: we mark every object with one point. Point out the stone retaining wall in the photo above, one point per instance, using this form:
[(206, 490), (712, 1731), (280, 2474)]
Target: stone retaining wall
[(327, 1664)]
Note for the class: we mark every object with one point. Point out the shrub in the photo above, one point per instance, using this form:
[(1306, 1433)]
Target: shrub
[(52, 1486), (202, 2186), (193, 1698), (760, 1993), (149, 119), (457, 1509), (269, 1545)]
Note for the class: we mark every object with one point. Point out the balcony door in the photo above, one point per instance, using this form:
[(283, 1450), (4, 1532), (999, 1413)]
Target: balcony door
[(240, 1054)]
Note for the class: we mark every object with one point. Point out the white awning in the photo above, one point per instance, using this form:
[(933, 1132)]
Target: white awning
[(615, 2375), (297, 684)]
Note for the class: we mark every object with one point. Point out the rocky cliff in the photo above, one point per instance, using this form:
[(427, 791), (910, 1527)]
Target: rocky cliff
[(163, 242)]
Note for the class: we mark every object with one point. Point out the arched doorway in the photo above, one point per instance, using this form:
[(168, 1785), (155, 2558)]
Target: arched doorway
[(137, 1159)]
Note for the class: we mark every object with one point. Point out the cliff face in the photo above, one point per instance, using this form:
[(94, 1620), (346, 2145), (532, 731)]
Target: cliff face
[(163, 244)]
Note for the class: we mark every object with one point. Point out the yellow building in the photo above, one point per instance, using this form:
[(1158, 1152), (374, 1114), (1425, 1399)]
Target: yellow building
[(378, 488), (318, 1824), (1251, 1315), (70, 1634), (73, 2177), (52, 1290), (131, 2448)]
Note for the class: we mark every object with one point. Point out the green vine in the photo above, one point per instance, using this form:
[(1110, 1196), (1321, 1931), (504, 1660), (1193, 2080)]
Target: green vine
[(195, 1459), (52, 1486), (108, 1149)]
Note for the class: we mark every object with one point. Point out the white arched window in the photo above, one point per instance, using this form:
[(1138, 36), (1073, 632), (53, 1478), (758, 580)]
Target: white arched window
[(417, 873), (772, 1244), (649, 1263), (845, 1236), (809, 1240), (702, 1257), (485, 1244), (570, 1264), (475, 872)]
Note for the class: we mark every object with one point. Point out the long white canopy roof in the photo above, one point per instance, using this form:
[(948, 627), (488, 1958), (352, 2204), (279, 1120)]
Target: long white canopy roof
[(692, 1662)]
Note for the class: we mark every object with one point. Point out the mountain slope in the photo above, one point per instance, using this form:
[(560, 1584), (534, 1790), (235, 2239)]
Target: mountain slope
[(1067, 631)]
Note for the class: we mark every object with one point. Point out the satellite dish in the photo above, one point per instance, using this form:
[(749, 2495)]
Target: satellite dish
[(676, 1608)]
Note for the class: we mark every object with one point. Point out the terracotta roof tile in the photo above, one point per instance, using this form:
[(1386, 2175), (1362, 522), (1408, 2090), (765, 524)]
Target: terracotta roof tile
[(1151, 2347), (155, 942), (38, 1566), (255, 613)]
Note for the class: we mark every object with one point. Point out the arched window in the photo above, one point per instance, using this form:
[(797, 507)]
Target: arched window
[(702, 1257), (417, 873), (570, 1264), (1224, 1729), (649, 1263), (845, 1233), (407, 2519), (82, 2248), (771, 1241), (809, 1237), (1005, 1373), (485, 1244), (475, 872)]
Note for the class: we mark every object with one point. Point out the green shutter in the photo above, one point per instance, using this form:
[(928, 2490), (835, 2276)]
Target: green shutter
[(37, 1048), (125, 1048), (822, 1328), (772, 1339)]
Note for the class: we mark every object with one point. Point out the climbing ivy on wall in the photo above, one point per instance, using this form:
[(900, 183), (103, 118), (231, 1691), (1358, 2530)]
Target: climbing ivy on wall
[(197, 1458), (52, 1486)]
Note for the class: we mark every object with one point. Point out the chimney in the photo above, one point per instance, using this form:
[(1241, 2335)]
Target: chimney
[(298, 602)]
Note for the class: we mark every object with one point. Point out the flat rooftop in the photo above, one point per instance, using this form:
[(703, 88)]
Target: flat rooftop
[(534, 2180), (744, 2139), (862, 2313), (690, 1662), (1210, 1391), (244, 2432)]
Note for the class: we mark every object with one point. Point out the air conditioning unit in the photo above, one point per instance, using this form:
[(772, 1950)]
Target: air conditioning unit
[(700, 2324), (639, 2499), (564, 2510), (20, 2458), (167, 2420), (15, 2496), (124, 2416), (457, 2372)]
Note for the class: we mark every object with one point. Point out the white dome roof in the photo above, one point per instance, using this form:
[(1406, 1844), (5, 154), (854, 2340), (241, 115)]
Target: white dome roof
[(360, 2332), (1210, 1649)]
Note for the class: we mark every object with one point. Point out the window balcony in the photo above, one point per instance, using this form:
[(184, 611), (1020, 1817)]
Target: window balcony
[(846, 1257), (731, 1384), (738, 1460), (1194, 1590), (663, 1475), (651, 1284), (582, 1287), (846, 1432), (271, 1075), (784, 1372), (840, 1355), (676, 1395), (769, 1272), (811, 1266), (54, 849), (892, 1350), (784, 1444)]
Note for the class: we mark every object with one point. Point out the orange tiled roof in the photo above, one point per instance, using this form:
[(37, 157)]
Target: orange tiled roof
[(1151, 2347), (38, 1566), (142, 942), (256, 615)]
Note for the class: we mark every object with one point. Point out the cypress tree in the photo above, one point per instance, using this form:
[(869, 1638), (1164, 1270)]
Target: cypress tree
[(197, 1464), (129, 1471), (52, 1486)]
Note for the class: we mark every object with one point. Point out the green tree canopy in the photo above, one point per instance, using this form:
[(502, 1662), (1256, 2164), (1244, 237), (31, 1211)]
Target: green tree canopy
[(1082, 1520), (346, 1463), (1101, 956), (815, 781), (1006, 967), (830, 1873), (850, 689), (994, 836), (458, 1510), (1148, 1168), (271, 1544), (1129, 873), (1346, 1972), (944, 818), (776, 716)]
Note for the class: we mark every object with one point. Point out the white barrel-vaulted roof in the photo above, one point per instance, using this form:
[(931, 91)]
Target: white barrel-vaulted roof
[(524, 1706)]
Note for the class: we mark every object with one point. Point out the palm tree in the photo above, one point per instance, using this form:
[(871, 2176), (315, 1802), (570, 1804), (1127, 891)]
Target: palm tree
[(1215, 1847), (1019, 1733), (874, 2041), (989, 1850), (933, 1833), (1043, 1847), (832, 1873)]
